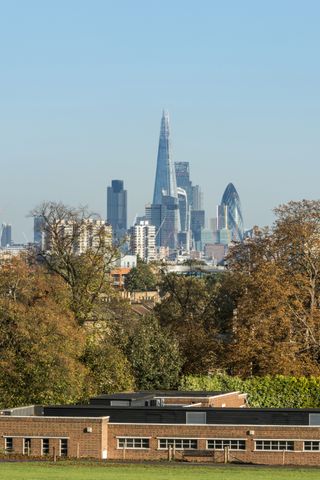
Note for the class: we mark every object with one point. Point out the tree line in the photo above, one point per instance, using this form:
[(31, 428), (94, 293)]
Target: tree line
[(66, 334)]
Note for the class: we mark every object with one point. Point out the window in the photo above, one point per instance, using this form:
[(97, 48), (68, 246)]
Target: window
[(45, 446), (274, 445), (26, 446), (314, 419), (311, 446), (178, 443), (196, 417), (233, 444), (8, 444), (63, 447), (133, 442)]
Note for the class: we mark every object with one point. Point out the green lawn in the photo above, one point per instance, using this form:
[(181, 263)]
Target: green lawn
[(33, 471)]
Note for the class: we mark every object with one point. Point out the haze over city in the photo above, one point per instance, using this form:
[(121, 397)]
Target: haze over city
[(84, 84)]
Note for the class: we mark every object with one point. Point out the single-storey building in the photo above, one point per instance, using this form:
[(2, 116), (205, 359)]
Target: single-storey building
[(192, 426)]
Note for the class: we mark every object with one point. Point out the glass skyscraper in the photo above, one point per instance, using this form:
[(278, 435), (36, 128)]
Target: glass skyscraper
[(165, 196), (231, 200), (117, 209)]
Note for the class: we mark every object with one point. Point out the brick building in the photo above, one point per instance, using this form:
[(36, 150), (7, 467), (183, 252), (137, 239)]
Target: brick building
[(194, 426)]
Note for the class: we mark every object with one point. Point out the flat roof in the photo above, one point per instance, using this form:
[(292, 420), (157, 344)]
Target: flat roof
[(159, 393)]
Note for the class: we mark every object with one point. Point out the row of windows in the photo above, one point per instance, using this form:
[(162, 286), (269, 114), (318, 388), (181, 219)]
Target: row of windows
[(181, 443), (45, 446), (274, 445), (216, 444)]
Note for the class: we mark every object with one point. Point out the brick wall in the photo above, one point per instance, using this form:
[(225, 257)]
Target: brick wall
[(201, 433), (80, 442), (103, 437)]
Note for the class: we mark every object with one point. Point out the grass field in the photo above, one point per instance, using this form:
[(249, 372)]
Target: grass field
[(33, 471)]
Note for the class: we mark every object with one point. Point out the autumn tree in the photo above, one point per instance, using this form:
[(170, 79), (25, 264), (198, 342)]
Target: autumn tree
[(188, 309), (40, 343), (87, 273), (275, 326)]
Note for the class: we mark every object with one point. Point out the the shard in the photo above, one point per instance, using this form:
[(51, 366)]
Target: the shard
[(165, 181), (165, 196)]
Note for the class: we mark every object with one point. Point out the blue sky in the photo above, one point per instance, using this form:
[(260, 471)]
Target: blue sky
[(83, 85)]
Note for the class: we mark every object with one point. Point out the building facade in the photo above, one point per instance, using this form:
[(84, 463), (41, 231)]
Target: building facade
[(77, 237), (117, 209), (231, 200), (164, 211), (189, 426), (143, 242), (6, 235)]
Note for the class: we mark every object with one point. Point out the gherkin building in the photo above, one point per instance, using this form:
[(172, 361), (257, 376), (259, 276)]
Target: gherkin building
[(231, 200)]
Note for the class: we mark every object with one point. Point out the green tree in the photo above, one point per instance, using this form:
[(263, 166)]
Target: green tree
[(109, 369), (141, 278), (188, 310), (154, 356), (40, 343)]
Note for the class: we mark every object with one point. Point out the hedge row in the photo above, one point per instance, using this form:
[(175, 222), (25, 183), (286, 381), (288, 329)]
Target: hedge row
[(270, 391)]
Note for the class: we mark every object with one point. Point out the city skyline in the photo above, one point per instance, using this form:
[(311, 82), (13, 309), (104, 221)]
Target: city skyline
[(81, 107)]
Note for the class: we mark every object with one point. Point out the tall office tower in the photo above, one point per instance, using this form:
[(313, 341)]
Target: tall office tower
[(6, 235), (142, 241), (197, 198), (231, 200), (184, 209), (38, 233), (117, 209), (197, 224), (222, 217), (165, 197), (183, 178), (165, 181)]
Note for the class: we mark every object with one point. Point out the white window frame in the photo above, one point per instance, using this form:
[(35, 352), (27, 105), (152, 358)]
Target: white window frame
[(313, 443), (60, 447), (6, 441), (227, 442), (268, 442), (136, 442), (174, 442), (25, 446), (42, 441)]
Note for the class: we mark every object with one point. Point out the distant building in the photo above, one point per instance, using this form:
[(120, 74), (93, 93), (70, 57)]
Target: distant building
[(143, 241), (231, 200), (126, 261), (225, 236), (222, 216), (197, 224), (215, 251), (38, 234), (183, 179), (117, 209), (197, 198), (6, 235), (90, 234), (164, 211), (184, 236), (207, 236)]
